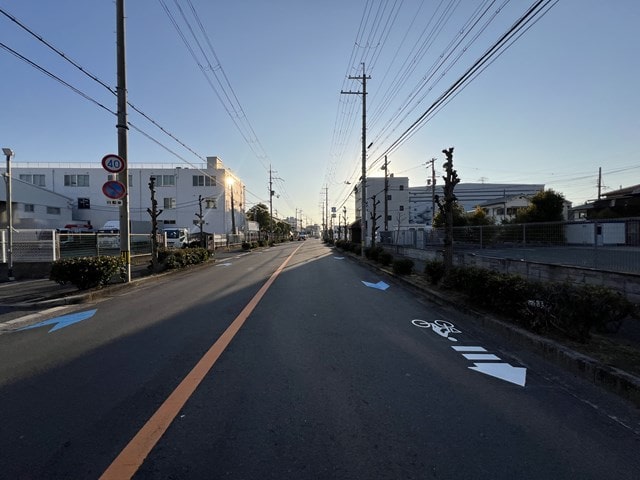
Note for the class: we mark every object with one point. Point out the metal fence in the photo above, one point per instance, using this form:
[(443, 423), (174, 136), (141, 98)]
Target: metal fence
[(612, 245), (32, 246)]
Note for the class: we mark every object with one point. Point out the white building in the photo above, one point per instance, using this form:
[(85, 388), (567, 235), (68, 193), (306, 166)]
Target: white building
[(180, 192), (397, 203), (469, 195), (34, 207)]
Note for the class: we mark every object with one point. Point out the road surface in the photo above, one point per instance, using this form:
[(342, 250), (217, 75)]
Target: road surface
[(293, 363)]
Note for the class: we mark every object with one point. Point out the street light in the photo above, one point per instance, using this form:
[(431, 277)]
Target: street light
[(9, 153), (230, 182)]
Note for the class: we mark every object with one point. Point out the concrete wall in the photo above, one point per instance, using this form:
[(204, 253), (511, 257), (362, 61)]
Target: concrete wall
[(625, 283)]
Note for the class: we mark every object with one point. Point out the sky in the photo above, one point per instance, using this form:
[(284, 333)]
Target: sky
[(258, 83)]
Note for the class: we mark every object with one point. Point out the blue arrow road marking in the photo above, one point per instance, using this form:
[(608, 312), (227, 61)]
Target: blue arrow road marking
[(63, 321), (380, 285)]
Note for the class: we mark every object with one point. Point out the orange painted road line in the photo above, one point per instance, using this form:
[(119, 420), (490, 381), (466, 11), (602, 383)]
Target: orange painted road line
[(130, 459)]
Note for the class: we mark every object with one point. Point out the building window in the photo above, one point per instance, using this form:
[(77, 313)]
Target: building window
[(210, 203), (76, 180), (389, 217), (402, 208), (84, 203), (28, 207), (401, 187), (511, 211), (388, 197), (165, 180), (53, 210), (169, 203), (169, 222), (37, 180), (204, 181)]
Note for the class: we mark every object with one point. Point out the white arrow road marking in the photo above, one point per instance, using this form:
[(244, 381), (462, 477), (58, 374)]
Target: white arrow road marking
[(223, 265), (339, 258), (503, 371)]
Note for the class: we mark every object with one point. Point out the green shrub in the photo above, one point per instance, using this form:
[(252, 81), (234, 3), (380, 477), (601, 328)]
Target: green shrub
[(403, 266), (434, 271), (246, 246), (385, 258), (569, 309), (372, 253), (87, 272), (172, 258)]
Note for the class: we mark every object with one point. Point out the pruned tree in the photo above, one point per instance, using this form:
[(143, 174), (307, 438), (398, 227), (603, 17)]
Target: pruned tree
[(446, 206)]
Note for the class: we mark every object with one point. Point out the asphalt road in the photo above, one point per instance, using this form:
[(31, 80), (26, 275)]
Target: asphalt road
[(321, 377)]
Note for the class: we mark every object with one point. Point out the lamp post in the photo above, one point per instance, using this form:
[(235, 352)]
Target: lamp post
[(230, 182), (9, 153)]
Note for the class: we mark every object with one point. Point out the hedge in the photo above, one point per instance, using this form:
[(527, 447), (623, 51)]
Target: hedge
[(87, 272), (546, 307)]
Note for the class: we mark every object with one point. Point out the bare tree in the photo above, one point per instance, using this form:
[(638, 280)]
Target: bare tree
[(451, 179)]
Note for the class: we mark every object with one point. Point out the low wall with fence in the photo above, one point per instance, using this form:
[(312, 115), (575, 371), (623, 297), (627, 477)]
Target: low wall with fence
[(627, 284)]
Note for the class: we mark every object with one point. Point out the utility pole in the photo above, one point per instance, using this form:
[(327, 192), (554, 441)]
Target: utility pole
[(8, 154), (326, 212), (271, 192), (599, 182), (123, 177), (154, 213), (363, 178)]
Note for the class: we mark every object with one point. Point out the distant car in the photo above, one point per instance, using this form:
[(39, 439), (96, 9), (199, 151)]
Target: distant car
[(302, 236)]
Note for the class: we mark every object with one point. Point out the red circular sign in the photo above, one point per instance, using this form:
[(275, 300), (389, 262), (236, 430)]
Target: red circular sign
[(114, 189), (113, 163)]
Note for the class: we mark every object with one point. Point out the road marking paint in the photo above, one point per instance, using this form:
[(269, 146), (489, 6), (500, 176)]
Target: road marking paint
[(63, 321), (469, 349), (379, 286), (127, 463), (480, 356)]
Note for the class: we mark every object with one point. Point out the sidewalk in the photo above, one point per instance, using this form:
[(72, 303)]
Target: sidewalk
[(21, 297)]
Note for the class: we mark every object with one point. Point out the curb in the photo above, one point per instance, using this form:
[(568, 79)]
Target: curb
[(617, 381)]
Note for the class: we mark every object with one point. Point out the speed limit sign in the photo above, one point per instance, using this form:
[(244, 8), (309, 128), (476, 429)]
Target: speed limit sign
[(113, 163)]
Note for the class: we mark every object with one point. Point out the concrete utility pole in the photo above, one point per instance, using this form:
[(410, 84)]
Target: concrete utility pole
[(123, 177), (599, 182), (326, 212), (363, 178), (271, 192)]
